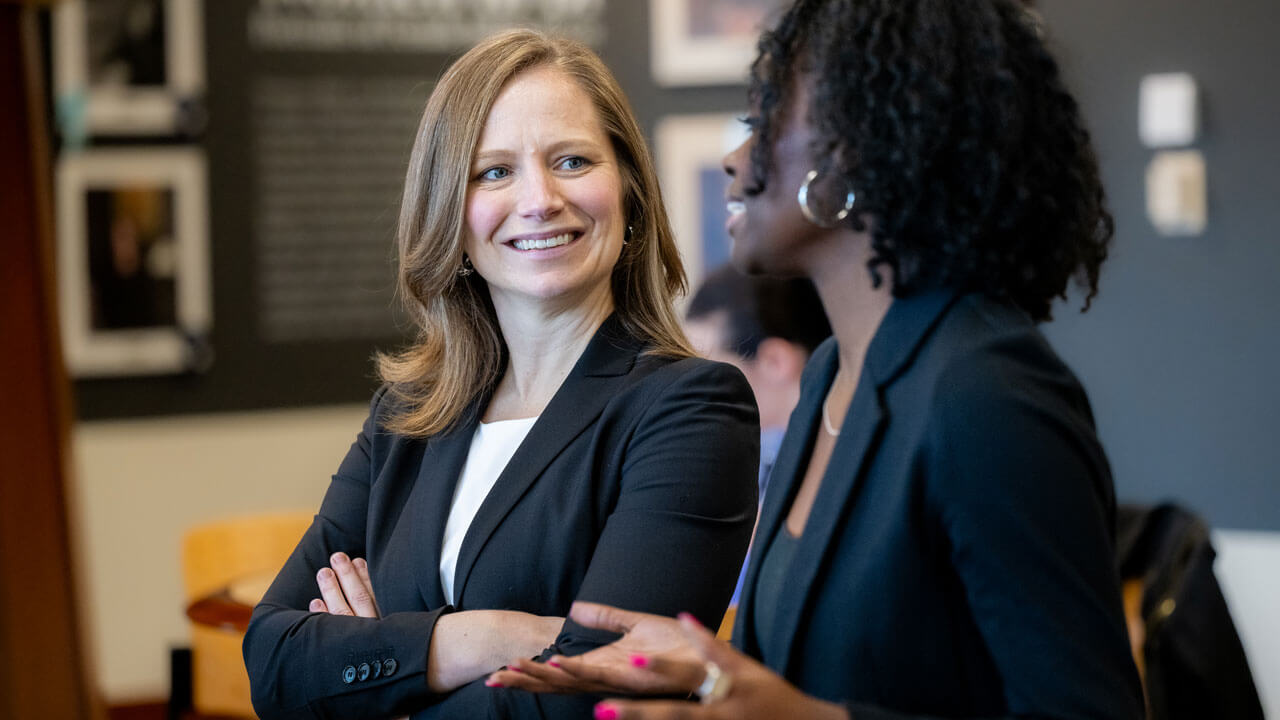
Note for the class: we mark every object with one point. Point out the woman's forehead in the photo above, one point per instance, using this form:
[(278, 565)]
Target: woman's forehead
[(547, 90)]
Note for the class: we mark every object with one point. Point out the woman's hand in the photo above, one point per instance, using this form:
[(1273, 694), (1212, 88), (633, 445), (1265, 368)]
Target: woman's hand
[(658, 655), (345, 588), (652, 657), (465, 646), (750, 690)]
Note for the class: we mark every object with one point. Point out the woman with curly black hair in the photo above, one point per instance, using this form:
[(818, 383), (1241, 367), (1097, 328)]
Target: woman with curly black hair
[(937, 535)]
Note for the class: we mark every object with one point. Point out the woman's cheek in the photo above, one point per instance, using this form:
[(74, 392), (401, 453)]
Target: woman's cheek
[(484, 217)]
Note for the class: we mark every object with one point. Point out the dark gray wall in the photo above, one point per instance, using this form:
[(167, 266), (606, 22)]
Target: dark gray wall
[(1180, 352)]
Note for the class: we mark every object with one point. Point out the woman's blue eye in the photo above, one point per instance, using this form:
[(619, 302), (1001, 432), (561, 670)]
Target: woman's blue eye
[(495, 173), (573, 163)]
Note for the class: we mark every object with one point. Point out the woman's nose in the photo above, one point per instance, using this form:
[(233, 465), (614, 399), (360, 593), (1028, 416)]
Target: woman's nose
[(540, 195), (733, 161)]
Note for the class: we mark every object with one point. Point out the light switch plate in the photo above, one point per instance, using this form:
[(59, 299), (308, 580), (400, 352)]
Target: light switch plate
[(1168, 112)]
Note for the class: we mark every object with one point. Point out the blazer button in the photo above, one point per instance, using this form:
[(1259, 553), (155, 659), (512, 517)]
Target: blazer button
[(349, 674), (377, 669), (364, 672), (389, 667)]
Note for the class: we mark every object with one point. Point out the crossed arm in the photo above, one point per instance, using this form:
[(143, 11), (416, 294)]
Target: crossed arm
[(698, 419), (655, 655), (465, 646)]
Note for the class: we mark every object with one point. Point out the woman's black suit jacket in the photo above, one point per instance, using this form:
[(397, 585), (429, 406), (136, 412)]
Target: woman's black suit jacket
[(636, 487), (958, 560)]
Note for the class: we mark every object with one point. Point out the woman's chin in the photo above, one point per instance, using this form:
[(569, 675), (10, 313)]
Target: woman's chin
[(748, 260), (549, 295)]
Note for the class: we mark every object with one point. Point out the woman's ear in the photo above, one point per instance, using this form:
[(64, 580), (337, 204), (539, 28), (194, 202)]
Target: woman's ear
[(780, 361)]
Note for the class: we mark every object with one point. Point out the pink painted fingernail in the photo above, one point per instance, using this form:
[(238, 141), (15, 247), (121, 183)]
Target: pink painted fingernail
[(640, 661), (553, 663), (605, 711), (492, 683), (513, 668), (689, 618)]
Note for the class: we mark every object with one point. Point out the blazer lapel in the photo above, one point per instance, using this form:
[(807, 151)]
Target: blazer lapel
[(853, 448), (432, 497), (784, 482), (575, 406), (899, 337)]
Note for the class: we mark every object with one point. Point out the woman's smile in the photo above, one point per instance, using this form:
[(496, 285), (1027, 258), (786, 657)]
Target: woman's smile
[(544, 241)]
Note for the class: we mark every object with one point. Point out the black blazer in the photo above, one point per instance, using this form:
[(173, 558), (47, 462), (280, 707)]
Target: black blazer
[(958, 558), (636, 487)]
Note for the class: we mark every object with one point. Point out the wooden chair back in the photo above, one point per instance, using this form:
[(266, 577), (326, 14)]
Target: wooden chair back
[(216, 556)]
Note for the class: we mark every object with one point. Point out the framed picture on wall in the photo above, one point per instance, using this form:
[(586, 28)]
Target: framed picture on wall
[(133, 262), (705, 42), (128, 67), (690, 153)]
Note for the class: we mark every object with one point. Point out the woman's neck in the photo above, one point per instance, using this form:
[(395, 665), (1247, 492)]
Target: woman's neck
[(854, 306), (543, 344)]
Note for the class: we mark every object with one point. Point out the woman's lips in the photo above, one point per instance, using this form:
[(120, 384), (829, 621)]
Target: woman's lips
[(736, 209)]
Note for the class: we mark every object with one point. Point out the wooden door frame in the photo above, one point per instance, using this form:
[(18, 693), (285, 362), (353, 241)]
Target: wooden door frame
[(43, 673)]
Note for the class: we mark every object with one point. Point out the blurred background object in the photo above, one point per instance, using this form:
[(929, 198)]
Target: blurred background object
[(43, 670), (1183, 639), (227, 565)]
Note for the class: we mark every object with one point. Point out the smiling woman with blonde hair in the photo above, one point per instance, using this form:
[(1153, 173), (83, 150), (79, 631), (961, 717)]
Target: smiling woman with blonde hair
[(548, 437), (460, 345)]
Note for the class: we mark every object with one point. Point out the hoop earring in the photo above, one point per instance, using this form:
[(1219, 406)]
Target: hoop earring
[(802, 197), (467, 268)]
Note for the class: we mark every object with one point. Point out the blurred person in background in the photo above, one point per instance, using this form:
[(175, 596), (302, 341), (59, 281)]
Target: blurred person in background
[(767, 328)]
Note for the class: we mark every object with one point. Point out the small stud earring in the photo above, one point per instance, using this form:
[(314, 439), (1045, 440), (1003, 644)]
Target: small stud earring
[(466, 268)]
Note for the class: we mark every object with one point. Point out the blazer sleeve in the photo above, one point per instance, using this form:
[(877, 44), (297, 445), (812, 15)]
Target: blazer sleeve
[(301, 664), (676, 536), (1021, 495)]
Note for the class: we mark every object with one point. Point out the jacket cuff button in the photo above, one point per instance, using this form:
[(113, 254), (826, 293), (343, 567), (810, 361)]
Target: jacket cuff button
[(363, 671), (349, 674), (389, 667)]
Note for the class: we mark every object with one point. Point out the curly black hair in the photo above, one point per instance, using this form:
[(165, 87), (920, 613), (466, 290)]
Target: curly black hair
[(950, 121)]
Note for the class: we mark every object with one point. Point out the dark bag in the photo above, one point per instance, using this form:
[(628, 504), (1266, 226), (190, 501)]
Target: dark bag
[(1195, 665)]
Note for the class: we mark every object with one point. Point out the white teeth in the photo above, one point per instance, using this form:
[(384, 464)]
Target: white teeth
[(543, 243), (735, 207)]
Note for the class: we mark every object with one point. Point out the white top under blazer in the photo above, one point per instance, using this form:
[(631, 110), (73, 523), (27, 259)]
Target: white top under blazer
[(491, 449)]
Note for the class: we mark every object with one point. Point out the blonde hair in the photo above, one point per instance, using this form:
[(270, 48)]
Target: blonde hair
[(459, 352)]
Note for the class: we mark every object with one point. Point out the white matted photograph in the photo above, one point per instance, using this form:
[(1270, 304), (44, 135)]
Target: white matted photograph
[(706, 42), (691, 149), (128, 67), (133, 261)]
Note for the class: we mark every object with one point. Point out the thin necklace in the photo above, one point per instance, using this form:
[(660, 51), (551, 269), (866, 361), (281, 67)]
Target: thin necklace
[(832, 430), (826, 420)]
